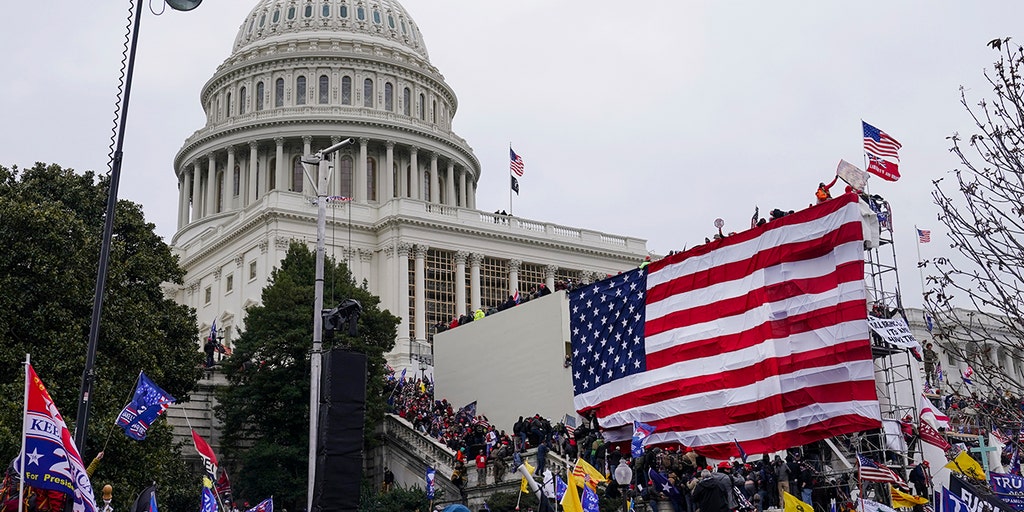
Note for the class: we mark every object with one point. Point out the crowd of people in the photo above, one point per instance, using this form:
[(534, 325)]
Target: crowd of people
[(512, 301)]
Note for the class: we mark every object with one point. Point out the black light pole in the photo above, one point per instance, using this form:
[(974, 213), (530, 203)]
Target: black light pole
[(89, 375)]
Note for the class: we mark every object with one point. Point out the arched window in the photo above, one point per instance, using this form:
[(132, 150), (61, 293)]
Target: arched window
[(276, 17), (298, 179), (368, 93), (346, 90), (389, 97), (360, 13), (259, 96), (300, 90), (371, 178), (433, 111), (423, 107), (279, 92), (324, 87), (291, 13), (235, 176), (376, 16), (391, 21), (272, 174), (345, 175), (406, 101), (343, 11), (308, 12), (325, 11)]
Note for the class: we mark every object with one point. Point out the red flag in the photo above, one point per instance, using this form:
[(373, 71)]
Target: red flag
[(930, 435), (882, 152), (51, 460), (760, 337), (209, 459)]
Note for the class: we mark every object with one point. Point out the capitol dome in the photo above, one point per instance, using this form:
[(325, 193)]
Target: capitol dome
[(383, 21)]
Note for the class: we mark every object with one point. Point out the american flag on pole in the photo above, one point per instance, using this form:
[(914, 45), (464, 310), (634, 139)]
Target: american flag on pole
[(760, 338), (872, 471), (517, 163), (924, 235), (882, 152)]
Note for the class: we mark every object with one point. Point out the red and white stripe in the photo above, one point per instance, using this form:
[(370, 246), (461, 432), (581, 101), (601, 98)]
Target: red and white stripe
[(760, 338), (886, 147)]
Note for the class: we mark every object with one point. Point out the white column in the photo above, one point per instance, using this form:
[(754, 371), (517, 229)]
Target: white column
[(307, 149), (388, 171), (251, 179), (211, 185), (334, 186), (229, 177), (197, 191), (435, 183), (403, 179), (403, 293), (449, 182), (416, 191), (474, 280), (307, 145), (420, 292), (280, 177), (185, 194), (513, 276), (472, 194), (549, 276), (460, 281), (462, 188), (359, 183)]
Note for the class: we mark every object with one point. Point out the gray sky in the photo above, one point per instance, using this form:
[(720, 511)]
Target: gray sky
[(647, 119)]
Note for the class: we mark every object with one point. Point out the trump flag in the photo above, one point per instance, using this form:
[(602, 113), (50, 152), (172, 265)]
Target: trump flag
[(759, 338), (148, 403), (51, 459)]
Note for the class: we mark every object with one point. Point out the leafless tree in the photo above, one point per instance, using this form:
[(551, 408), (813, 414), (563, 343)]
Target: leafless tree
[(983, 212)]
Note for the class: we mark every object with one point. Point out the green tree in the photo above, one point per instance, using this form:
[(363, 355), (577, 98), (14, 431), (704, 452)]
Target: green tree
[(265, 406), (983, 211), (399, 499), (51, 220)]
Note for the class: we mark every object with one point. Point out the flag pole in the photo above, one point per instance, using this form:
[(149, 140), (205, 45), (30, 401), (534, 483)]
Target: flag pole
[(920, 269), (24, 437)]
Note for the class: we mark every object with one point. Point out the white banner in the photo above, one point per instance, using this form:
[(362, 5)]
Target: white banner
[(894, 331)]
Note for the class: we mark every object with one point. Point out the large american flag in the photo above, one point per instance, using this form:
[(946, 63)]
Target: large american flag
[(760, 338), (882, 152), (516, 164), (872, 471)]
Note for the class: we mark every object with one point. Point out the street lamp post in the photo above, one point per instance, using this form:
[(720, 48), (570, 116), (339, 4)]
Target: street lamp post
[(323, 178), (89, 375), (623, 476)]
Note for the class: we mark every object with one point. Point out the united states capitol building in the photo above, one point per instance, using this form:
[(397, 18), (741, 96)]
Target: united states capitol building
[(303, 75)]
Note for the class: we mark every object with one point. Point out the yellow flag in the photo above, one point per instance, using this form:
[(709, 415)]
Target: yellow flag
[(793, 504), (524, 486), (571, 499), (902, 499), (966, 465), (585, 474)]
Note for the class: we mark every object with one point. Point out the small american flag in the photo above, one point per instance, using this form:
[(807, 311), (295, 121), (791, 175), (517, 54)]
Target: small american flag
[(924, 235), (517, 163), (877, 472), (883, 153)]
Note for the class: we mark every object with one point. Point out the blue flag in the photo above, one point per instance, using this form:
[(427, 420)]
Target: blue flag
[(590, 501), (209, 503), (266, 505), (560, 488), (430, 483), (661, 483), (148, 403), (743, 453), (641, 431), (952, 503)]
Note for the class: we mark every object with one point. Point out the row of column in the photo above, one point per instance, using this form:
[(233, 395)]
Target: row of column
[(199, 184), (461, 258)]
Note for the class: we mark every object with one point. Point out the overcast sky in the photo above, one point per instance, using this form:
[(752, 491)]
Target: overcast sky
[(647, 119)]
